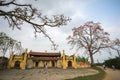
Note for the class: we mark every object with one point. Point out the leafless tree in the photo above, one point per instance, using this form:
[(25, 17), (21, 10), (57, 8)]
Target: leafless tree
[(25, 13)]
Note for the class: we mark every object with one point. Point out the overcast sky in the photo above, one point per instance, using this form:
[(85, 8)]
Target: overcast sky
[(107, 12)]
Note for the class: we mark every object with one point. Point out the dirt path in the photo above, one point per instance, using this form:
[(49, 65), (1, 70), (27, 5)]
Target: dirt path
[(39, 74), (112, 74)]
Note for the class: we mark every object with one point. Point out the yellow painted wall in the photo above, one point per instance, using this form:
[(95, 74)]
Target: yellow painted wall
[(21, 58), (26, 62), (66, 59)]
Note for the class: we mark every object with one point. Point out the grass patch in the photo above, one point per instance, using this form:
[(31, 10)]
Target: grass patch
[(98, 76)]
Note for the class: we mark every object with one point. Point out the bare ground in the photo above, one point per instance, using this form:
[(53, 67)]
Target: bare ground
[(112, 74), (42, 74)]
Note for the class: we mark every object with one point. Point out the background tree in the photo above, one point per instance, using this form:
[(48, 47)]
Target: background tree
[(7, 44), (116, 46), (82, 59), (113, 61), (17, 14), (91, 37)]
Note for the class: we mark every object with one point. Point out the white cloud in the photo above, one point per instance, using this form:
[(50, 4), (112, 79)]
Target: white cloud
[(75, 9)]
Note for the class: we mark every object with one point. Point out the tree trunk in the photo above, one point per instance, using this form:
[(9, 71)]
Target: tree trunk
[(118, 53), (91, 58)]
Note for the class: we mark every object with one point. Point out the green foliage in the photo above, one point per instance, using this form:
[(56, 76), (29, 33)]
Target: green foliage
[(98, 64), (98, 76), (3, 62), (81, 59), (113, 61), (8, 44)]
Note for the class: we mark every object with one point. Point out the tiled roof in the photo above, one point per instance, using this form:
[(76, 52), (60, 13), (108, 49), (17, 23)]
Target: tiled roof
[(45, 58), (44, 54)]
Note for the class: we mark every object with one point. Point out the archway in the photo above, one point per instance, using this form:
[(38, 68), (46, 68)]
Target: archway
[(53, 63), (17, 65), (69, 63), (36, 64)]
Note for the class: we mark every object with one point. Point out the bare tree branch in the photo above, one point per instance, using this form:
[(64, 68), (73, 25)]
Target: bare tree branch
[(26, 13)]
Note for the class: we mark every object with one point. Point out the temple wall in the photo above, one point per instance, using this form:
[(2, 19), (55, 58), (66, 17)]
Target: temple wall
[(40, 64), (59, 63), (83, 65), (49, 64), (30, 63)]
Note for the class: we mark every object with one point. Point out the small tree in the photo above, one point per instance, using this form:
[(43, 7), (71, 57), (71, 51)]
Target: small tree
[(8, 44), (91, 37), (17, 14)]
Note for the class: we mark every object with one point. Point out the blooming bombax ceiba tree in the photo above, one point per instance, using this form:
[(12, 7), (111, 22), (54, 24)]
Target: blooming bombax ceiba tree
[(91, 37)]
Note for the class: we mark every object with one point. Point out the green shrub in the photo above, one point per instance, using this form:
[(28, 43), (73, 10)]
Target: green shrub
[(3, 62), (113, 61), (81, 59), (98, 64)]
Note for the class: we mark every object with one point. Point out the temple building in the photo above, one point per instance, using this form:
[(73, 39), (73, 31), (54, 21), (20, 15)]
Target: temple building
[(38, 59), (33, 59)]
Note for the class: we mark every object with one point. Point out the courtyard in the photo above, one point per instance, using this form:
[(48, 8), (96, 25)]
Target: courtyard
[(44, 74)]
